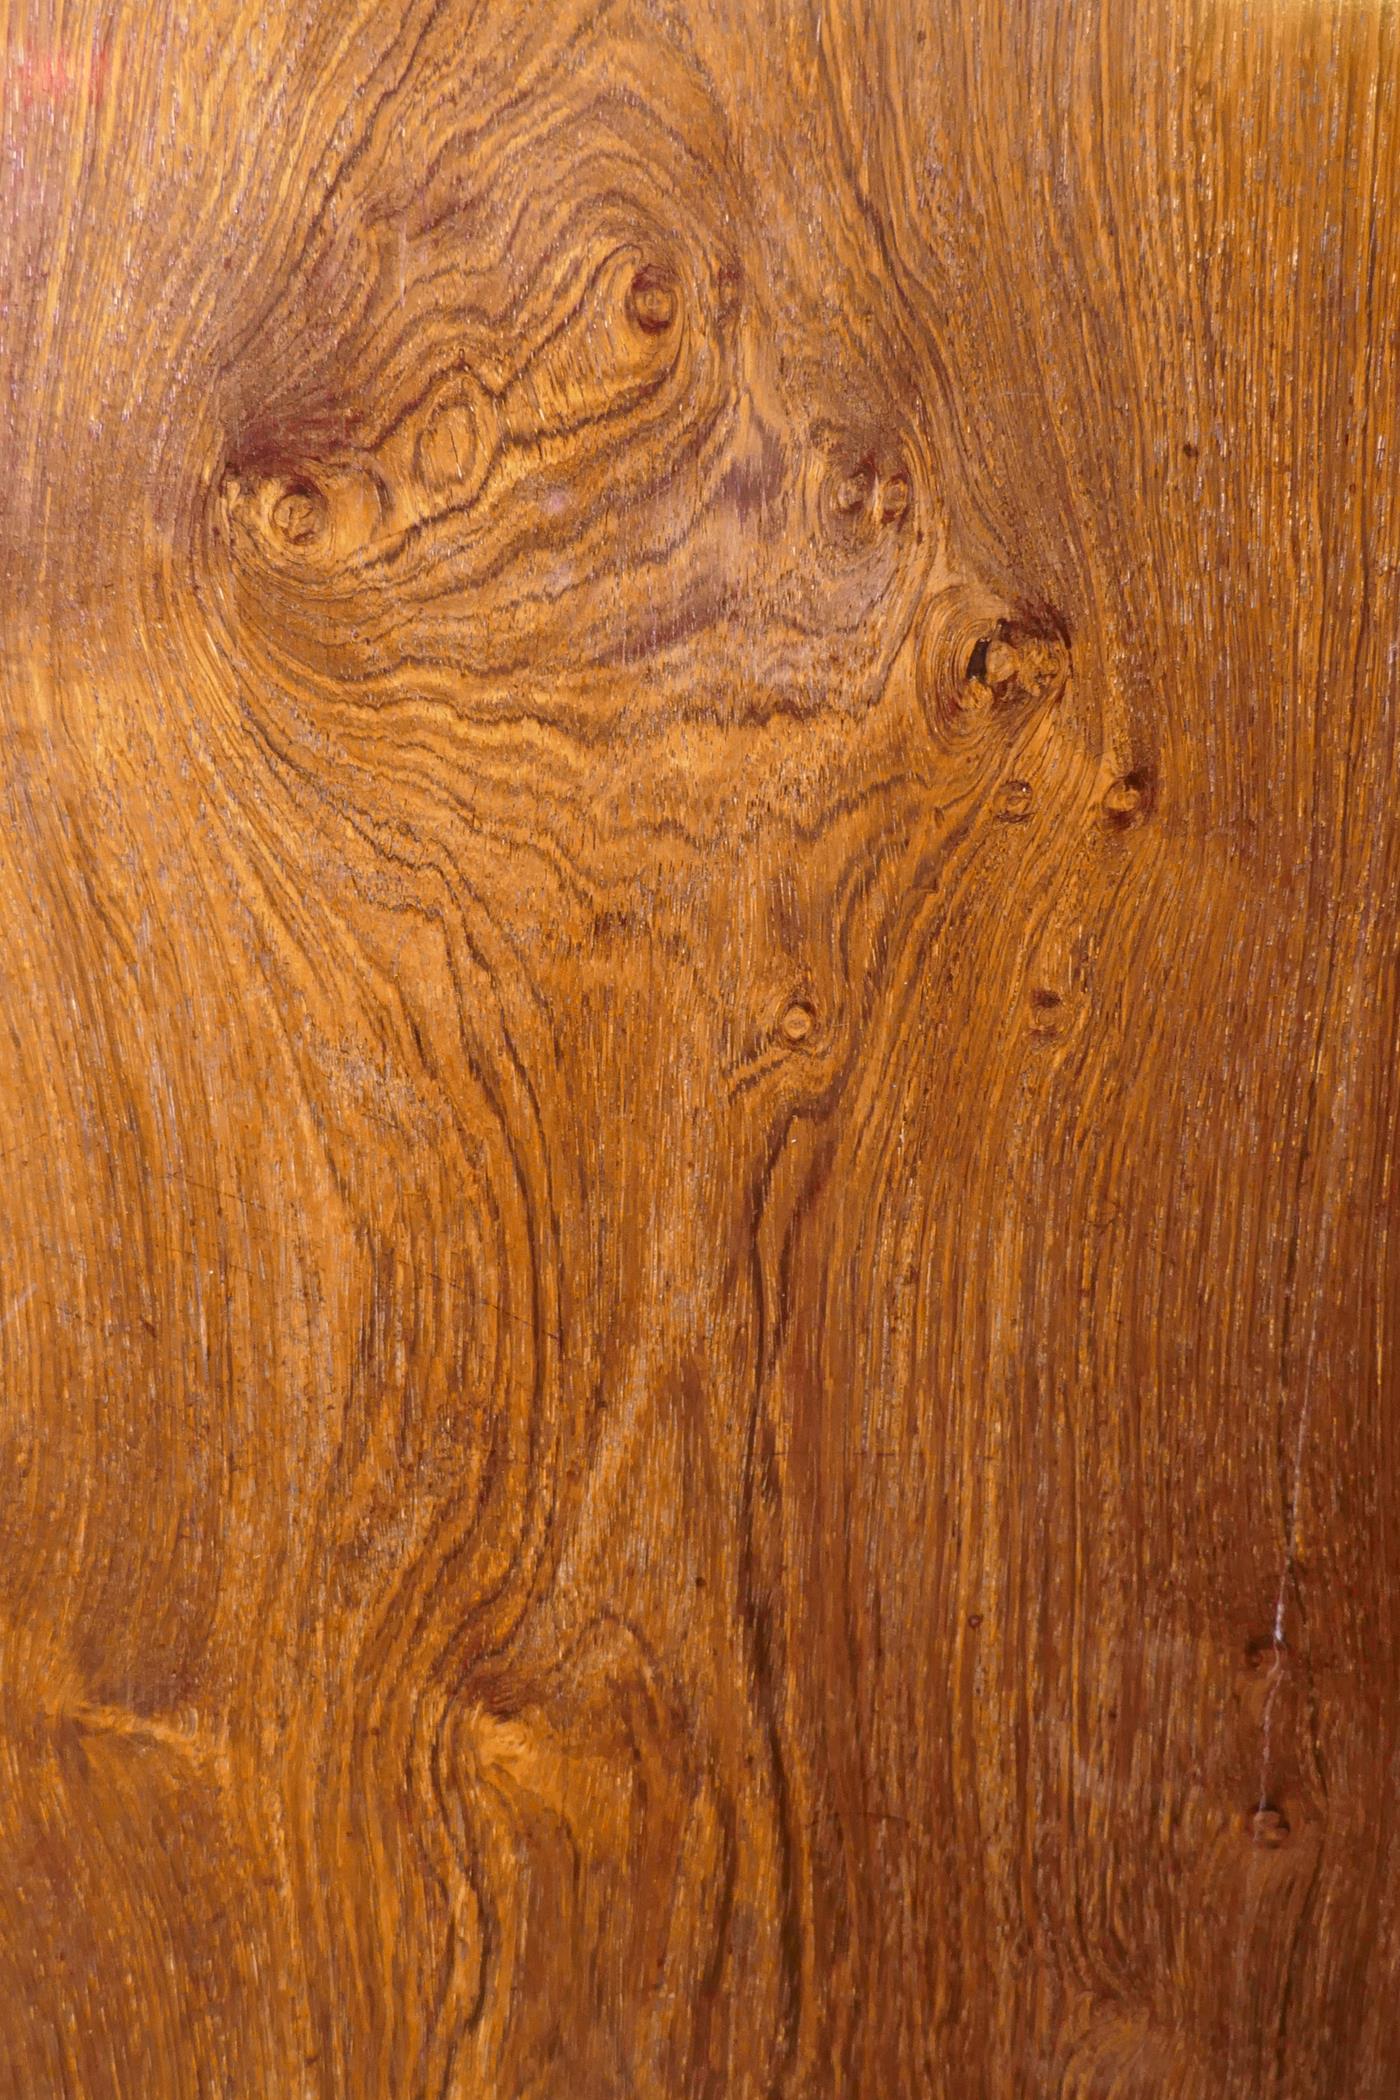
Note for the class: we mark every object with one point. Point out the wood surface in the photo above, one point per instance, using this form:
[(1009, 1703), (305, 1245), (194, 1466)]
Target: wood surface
[(699, 1283)]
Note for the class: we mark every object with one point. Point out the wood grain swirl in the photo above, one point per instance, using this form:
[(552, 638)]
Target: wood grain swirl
[(698, 1305)]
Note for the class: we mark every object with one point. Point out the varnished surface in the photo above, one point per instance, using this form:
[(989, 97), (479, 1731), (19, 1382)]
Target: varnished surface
[(698, 862)]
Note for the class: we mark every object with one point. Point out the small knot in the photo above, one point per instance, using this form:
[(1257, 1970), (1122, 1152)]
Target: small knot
[(1014, 802), (853, 492), (1129, 799), (1264, 1653), (304, 526), (1268, 1826), (1019, 663), (797, 1023), (863, 494), (998, 664), (299, 514), (651, 299), (894, 498), (979, 664), (447, 452)]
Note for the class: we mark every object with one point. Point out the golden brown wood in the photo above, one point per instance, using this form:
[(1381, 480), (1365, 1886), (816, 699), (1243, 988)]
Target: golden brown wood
[(698, 863)]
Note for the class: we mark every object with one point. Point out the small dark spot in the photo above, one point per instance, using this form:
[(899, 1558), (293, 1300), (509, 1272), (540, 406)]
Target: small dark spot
[(729, 291), (974, 1620), (1191, 451), (753, 484), (1044, 998), (1263, 1652)]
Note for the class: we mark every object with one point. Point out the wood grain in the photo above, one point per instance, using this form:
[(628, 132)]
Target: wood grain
[(698, 1288)]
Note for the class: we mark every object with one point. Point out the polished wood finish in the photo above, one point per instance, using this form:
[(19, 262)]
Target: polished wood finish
[(699, 1069)]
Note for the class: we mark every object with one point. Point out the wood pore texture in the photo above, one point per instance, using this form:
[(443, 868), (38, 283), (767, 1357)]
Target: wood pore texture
[(698, 862)]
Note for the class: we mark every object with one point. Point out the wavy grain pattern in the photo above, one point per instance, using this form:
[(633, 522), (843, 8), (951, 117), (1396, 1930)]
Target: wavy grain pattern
[(698, 853)]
